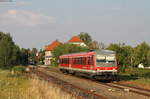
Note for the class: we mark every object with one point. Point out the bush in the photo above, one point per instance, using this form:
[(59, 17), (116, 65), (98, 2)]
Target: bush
[(122, 69), (17, 70), (138, 72)]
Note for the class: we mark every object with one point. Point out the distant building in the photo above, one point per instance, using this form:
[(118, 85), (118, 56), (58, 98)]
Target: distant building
[(76, 40), (48, 51)]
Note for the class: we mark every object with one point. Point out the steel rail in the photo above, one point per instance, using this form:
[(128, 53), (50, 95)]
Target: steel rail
[(141, 91), (85, 94)]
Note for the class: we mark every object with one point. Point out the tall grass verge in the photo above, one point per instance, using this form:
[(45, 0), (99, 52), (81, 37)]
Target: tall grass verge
[(43, 90), (22, 87)]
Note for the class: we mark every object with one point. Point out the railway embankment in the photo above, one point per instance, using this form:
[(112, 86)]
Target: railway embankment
[(130, 78), (109, 92)]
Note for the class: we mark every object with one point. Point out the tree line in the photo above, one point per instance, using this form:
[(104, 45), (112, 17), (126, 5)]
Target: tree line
[(11, 54), (127, 56)]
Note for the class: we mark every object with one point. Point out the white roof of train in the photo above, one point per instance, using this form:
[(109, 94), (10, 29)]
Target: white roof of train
[(96, 51)]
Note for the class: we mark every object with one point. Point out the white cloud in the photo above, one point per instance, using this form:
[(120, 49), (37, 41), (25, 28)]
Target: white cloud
[(26, 18)]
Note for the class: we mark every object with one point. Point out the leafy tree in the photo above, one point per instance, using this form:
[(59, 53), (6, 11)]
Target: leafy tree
[(24, 56), (32, 57), (8, 51), (65, 49), (131, 57), (16, 55), (85, 37), (140, 54), (148, 58), (92, 44)]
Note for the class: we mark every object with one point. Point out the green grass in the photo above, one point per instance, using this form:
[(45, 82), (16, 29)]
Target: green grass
[(136, 77), (135, 73), (143, 81)]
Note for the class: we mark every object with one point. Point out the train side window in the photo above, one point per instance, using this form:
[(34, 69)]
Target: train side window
[(83, 60), (79, 61), (64, 61), (75, 60), (68, 61), (90, 60)]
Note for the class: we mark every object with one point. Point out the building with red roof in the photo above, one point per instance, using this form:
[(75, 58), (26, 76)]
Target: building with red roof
[(51, 46), (76, 40), (48, 51)]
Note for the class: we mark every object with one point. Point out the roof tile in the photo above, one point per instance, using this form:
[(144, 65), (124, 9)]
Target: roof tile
[(75, 39), (51, 46)]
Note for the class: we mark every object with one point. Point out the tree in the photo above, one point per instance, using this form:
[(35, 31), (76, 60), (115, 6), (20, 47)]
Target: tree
[(24, 56), (92, 44), (65, 49), (129, 56), (148, 58), (140, 54), (32, 56), (8, 51), (85, 37), (95, 45)]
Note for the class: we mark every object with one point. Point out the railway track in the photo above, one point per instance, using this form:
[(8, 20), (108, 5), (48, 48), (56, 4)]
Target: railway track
[(127, 88), (74, 90), (123, 87)]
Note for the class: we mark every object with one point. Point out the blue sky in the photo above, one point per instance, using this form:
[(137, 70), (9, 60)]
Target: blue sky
[(36, 23)]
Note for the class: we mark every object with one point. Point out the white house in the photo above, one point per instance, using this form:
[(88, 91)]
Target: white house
[(76, 40), (48, 51)]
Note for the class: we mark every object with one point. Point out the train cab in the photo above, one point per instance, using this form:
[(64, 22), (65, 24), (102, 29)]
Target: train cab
[(105, 64)]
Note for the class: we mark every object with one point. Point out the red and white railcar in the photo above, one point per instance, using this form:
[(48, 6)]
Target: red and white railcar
[(100, 64)]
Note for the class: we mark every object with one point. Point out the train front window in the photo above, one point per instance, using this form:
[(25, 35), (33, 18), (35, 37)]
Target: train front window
[(105, 61)]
